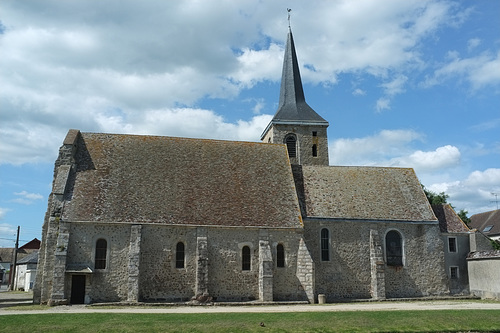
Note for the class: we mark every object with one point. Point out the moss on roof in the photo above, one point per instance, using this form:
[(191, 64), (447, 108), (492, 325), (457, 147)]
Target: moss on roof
[(155, 179), (374, 193)]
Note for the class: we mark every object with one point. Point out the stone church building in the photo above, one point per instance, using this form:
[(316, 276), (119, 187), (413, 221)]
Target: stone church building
[(135, 218)]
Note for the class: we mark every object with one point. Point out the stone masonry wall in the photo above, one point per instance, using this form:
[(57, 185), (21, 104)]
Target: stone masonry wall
[(106, 285), (348, 273), (161, 281), (305, 141)]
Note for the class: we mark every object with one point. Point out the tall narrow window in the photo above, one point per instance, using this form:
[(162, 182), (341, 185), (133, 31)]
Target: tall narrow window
[(291, 145), (453, 272), (452, 244), (179, 255), (325, 245), (315, 151), (101, 248), (315, 133), (393, 248), (280, 256), (245, 258)]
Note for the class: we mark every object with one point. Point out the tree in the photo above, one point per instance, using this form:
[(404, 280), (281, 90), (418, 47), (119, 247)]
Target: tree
[(463, 216), (442, 198), (434, 198)]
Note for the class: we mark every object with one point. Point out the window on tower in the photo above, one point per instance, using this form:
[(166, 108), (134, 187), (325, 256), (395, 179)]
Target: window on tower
[(291, 145), (315, 151)]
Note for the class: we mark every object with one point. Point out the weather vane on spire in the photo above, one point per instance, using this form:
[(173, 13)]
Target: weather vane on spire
[(289, 10)]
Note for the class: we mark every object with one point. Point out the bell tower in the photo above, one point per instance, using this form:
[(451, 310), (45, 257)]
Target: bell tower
[(295, 123)]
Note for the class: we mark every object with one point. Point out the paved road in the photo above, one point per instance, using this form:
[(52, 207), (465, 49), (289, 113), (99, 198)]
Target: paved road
[(9, 302)]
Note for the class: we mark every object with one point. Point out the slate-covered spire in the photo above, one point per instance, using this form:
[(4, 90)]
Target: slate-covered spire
[(292, 104)]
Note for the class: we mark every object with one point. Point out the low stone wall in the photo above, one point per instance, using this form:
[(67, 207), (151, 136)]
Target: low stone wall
[(484, 274)]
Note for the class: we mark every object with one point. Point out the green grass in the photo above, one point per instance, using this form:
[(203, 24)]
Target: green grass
[(355, 321)]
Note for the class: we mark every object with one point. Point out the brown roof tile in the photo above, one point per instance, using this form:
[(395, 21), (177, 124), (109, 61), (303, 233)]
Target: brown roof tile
[(449, 221), (364, 193), (482, 220), (154, 179)]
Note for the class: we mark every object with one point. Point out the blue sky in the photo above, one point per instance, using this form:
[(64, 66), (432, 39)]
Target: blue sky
[(402, 83)]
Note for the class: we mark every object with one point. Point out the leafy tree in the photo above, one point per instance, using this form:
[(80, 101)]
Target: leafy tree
[(434, 198), (442, 198), (463, 216)]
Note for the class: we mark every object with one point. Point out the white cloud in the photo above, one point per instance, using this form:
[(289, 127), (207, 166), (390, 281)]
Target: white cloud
[(393, 148), (26, 198), (474, 193), (3, 212), (473, 43), (383, 103), (489, 177), (391, 88), (359, 92), (479, 71), (8, 233), (425, 161), (103, 67), (395, 86), (372, 150)]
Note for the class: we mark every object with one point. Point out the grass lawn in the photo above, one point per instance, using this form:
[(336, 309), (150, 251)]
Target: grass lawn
[(356, 321)]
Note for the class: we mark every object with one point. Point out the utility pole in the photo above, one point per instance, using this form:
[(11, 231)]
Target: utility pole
[(13, 270)]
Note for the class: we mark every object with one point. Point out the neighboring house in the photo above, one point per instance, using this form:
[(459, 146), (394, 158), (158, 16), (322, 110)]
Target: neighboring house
[(487, 223), (151, 218), (7, 256), (456, 237), (26, 272), (3, 273), (483, 261)]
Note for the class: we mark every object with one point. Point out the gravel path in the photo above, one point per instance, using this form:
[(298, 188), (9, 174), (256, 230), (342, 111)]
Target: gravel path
[(9, 301)]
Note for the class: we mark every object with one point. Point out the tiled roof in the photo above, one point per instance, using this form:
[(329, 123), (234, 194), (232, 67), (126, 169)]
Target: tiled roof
[(6, 254), (31, 258), (373, 193), (483, 220), (154, 179), (33, 244), (449, 221)]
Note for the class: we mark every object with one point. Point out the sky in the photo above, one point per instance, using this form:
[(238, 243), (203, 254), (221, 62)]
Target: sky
[(409, 83)]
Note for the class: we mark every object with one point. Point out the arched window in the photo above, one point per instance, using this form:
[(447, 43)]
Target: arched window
[(325, 245), (315, 151), (179, 255), (291, 145), (245, 258), (393, 248), (101, 249), (280, 255)]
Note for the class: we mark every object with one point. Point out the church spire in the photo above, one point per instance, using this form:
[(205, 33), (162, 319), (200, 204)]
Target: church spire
[(295, 123), (293, 108)]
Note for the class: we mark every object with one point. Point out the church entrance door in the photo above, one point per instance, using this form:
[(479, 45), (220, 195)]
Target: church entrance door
[(77, 289)]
